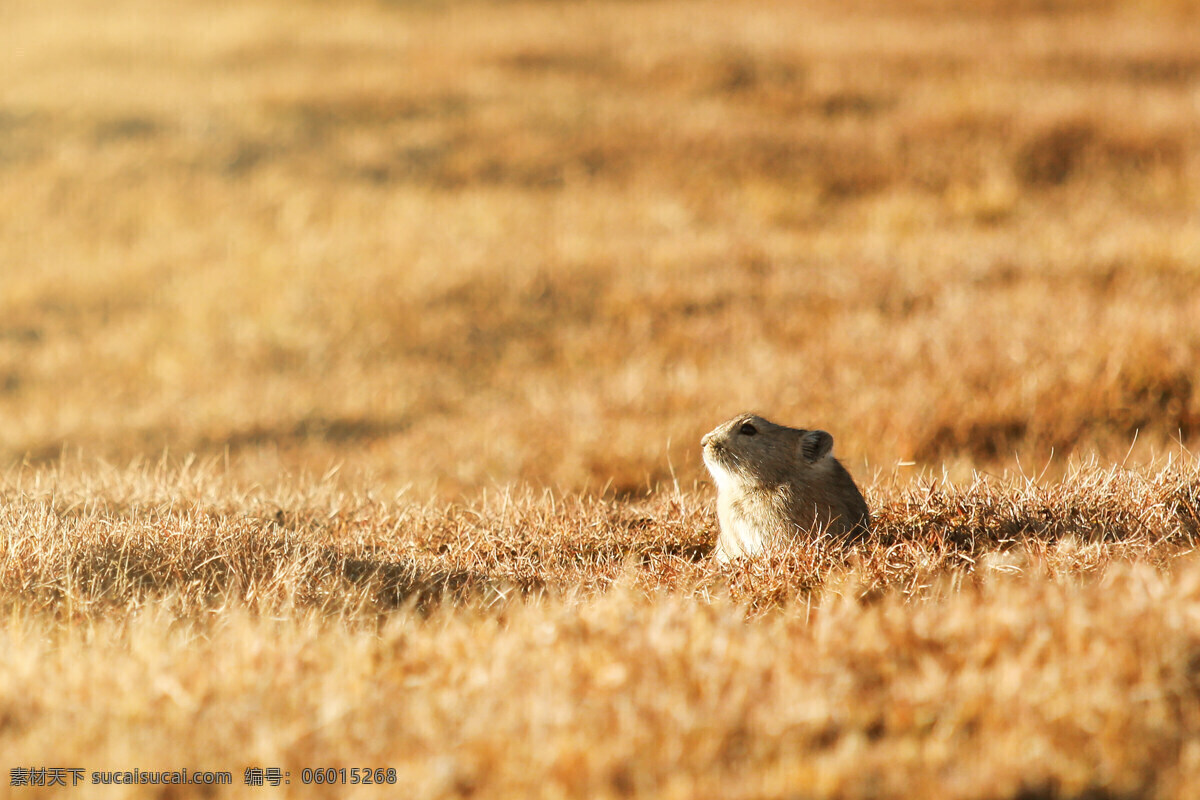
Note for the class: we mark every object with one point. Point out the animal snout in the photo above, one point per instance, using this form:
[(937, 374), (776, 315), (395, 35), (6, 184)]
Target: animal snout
[(705, 439)]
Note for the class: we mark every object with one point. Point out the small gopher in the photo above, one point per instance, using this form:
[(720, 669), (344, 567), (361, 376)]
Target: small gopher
[(774, 480)]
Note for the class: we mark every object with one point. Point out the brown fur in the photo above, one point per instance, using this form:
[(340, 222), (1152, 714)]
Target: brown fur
[(775, 481)]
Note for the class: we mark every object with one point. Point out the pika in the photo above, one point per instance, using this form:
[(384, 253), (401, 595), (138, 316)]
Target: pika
[(773, 480)]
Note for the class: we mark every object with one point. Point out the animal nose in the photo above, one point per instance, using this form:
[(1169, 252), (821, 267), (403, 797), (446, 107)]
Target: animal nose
[(704, 439)]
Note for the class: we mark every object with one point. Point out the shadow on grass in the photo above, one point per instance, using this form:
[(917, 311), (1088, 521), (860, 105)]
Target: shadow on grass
[(392, 584), (328, 430), (261, 570)]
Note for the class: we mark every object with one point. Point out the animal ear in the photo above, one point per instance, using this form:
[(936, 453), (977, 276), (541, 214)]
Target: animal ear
[(815, 445)]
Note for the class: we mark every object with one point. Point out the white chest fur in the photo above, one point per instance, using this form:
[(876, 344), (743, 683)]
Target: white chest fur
[(741, 534), (745, 528)]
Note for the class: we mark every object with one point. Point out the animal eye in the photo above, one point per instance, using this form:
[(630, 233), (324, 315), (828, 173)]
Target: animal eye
[(747, 429)]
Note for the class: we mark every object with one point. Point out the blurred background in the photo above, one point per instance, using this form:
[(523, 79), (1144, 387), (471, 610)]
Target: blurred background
[(457, 245)]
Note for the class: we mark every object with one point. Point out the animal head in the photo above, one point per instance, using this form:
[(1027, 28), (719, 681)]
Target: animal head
[(750, 451)]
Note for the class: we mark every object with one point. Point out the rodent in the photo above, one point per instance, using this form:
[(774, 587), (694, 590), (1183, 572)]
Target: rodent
[(774, 480)]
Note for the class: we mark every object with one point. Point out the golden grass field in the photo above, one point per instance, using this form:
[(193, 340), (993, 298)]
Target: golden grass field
[(354, 358)]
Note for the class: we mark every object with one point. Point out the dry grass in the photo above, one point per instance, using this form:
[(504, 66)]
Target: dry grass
[(1003, 639), (90, 539), (475, 243), (427, 305)]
